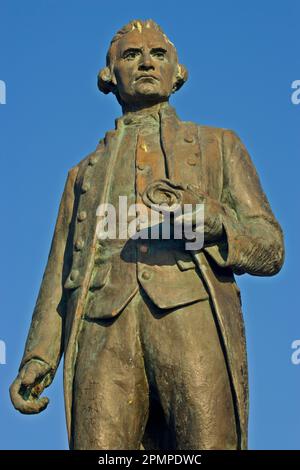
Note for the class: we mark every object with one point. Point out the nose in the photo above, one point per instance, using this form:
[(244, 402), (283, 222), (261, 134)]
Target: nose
[(146, 62)]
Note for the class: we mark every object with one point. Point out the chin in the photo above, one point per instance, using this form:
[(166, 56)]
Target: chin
[(147, 89), (149, 95)]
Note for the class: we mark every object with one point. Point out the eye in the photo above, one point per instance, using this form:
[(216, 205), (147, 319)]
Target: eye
[(159, 53), (130, 55)]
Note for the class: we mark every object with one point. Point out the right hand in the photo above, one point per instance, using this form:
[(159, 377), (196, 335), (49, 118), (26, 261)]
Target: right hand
[(34, 376), (167, 196)]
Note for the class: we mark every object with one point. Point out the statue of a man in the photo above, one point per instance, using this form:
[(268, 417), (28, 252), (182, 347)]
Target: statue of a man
[(152, 333)]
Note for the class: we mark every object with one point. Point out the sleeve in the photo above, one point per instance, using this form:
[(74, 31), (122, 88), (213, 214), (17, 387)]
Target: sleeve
[(253, 241), (45, 337)]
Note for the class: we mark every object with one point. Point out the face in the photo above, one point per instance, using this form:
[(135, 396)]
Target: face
[(145, 67)]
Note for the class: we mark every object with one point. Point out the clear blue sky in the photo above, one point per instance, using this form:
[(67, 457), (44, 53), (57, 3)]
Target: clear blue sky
[(242, 58)]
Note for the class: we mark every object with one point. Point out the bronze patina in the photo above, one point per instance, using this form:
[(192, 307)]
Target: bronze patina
[(151, 332)]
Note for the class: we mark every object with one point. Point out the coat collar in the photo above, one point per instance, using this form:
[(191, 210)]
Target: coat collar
[(179, 141), (169, 127), (159, 112)]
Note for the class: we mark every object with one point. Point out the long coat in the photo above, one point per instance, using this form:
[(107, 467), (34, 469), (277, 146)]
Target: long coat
[(223, 169)]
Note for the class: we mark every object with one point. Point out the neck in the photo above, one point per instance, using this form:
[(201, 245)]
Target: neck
[(140, 107)]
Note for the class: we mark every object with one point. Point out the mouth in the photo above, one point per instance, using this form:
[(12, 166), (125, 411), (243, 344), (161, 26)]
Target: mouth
[(146, 76)]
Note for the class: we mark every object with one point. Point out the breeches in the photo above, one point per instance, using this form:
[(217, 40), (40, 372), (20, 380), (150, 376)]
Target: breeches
[(152, 377)]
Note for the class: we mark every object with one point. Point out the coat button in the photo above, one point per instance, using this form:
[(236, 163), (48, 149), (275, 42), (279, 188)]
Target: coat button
[(144, 249), (141, 166), (93, 159), (146, 275), (192, 161), (81, 216), (127, 120), (189, 139), (79, 244), (85, 187), (74, 275)]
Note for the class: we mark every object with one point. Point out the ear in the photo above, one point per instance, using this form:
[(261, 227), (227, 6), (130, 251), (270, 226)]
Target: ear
[(106, 81), (181, 77)]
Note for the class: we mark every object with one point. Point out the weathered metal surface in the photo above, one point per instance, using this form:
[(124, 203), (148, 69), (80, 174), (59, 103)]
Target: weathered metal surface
[(152, 334)]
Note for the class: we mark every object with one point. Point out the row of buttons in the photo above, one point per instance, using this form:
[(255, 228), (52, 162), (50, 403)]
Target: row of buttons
[(192, 161), (82, 215), (79, 244), (146, 275)]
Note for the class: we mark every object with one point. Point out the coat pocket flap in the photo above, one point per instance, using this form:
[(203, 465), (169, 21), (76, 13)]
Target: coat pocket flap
[(184, 260)]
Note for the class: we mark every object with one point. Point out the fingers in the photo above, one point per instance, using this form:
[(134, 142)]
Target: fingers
[(33, 371), (29, 406), (14, 391), (164, 208), (29, 378), (25, 390)]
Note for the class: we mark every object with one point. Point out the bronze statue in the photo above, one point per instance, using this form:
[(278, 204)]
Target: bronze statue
[(152, 333)]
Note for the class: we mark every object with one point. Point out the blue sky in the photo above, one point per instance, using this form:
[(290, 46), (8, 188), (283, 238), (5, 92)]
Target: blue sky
[(242, 58)]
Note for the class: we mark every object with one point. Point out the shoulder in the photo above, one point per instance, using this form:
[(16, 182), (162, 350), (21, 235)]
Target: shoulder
[(216, 140), (210, 132), (76, 173)]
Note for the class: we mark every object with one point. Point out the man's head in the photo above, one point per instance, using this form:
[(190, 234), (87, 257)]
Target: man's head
[(141, 65)]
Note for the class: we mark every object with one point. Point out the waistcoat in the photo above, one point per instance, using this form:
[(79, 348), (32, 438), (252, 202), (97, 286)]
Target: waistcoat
[(161, 267)]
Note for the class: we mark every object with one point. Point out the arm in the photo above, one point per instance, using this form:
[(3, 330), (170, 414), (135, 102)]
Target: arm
[(44, 344), (253, 241)]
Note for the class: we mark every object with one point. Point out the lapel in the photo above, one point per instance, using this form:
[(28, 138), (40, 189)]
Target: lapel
[(181, 148), (190, 156), (169, 128), (193, 153)]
